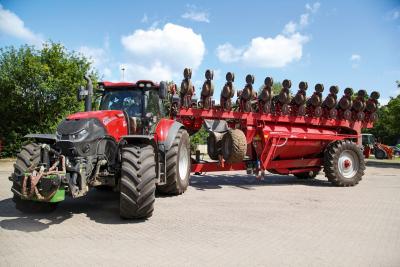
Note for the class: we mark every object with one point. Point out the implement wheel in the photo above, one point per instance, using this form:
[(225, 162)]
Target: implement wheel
[(214, 144), (344, 163), (138, 176), (29, 157), (234, 146), (178, 165)]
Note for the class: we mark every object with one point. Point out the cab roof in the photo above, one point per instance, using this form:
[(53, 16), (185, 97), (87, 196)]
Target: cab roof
[(140, 83)]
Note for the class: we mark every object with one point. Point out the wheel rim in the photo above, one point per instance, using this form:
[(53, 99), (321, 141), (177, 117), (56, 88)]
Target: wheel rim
[(183, 163), (348, 164)]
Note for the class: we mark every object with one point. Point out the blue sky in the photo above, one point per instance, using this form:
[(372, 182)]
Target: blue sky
[(346, 43)]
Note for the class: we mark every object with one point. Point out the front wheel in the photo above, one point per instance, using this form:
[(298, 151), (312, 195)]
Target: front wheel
[(138, 177), (344, 163), (28, 158), (178, 165)]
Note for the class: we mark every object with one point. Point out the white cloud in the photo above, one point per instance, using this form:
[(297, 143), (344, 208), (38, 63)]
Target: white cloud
[(193, 13), (144, 19), (304, 19), (163, 53), (12, 25), (228, 53), (271, 52), (156, 72), (314, 7), (355, 59), (290, 28), (275, 52), (99, 57), (96, 55)]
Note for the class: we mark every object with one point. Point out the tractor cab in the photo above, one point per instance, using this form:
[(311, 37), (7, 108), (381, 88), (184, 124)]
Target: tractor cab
[(368, 139), (141, 102)]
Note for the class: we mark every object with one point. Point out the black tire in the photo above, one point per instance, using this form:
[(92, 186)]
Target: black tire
[(29, 157), (234, 146), (177, 182), (306, 175), (380, 153), (214, 144), (339, 154), (138, 177)]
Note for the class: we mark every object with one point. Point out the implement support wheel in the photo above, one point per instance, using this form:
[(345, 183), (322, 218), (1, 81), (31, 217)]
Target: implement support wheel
[(234, 146), (344, 163)]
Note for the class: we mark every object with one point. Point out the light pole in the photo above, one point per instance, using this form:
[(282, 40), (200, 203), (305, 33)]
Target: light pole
[(123, 73)]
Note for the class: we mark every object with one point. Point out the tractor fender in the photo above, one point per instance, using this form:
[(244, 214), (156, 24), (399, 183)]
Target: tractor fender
[(43, 138), (166, 131)]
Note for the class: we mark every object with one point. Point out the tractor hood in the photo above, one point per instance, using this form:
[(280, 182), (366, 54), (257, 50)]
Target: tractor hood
[(113, 121), (101, 115)]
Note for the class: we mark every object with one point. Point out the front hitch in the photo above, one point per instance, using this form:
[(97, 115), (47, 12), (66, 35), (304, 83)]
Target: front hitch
[(39, 184)]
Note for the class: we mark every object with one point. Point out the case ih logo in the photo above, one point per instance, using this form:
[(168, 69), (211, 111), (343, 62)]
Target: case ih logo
[(107, 120)]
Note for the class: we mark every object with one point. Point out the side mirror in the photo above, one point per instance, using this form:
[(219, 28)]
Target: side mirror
[(81, 93), (163, 90)]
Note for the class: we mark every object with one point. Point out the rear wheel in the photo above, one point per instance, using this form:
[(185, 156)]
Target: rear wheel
[(178, 165), (138, 175), (344, 163), (380, 153), (28, 158)]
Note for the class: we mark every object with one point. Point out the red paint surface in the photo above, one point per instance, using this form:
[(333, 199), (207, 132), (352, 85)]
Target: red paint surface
[(117, 84), (162, 129), (216, 167), (113, 120)]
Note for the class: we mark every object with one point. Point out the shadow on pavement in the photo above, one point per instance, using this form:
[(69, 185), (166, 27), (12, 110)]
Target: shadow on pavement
[(383, 164), (103, 206), (99, 206), (249, 182)]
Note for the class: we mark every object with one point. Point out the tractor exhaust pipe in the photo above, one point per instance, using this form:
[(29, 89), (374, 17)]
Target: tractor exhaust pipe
[(89, 89)]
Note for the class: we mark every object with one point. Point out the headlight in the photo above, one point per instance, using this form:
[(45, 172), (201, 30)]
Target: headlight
[(79, 136)]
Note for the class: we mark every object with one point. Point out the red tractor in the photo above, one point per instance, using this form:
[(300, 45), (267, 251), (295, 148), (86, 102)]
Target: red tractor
[(371, 146), (126, 144)]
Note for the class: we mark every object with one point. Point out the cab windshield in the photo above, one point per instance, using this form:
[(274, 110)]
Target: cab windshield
[(136, 102), (128, 100)]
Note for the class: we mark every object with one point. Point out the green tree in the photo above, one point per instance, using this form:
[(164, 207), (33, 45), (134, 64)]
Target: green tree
[(276, 88), (387, 128), (37, 90), (199, 138)]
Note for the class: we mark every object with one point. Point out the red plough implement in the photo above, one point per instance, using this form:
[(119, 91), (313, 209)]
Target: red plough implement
[(284, 134)]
